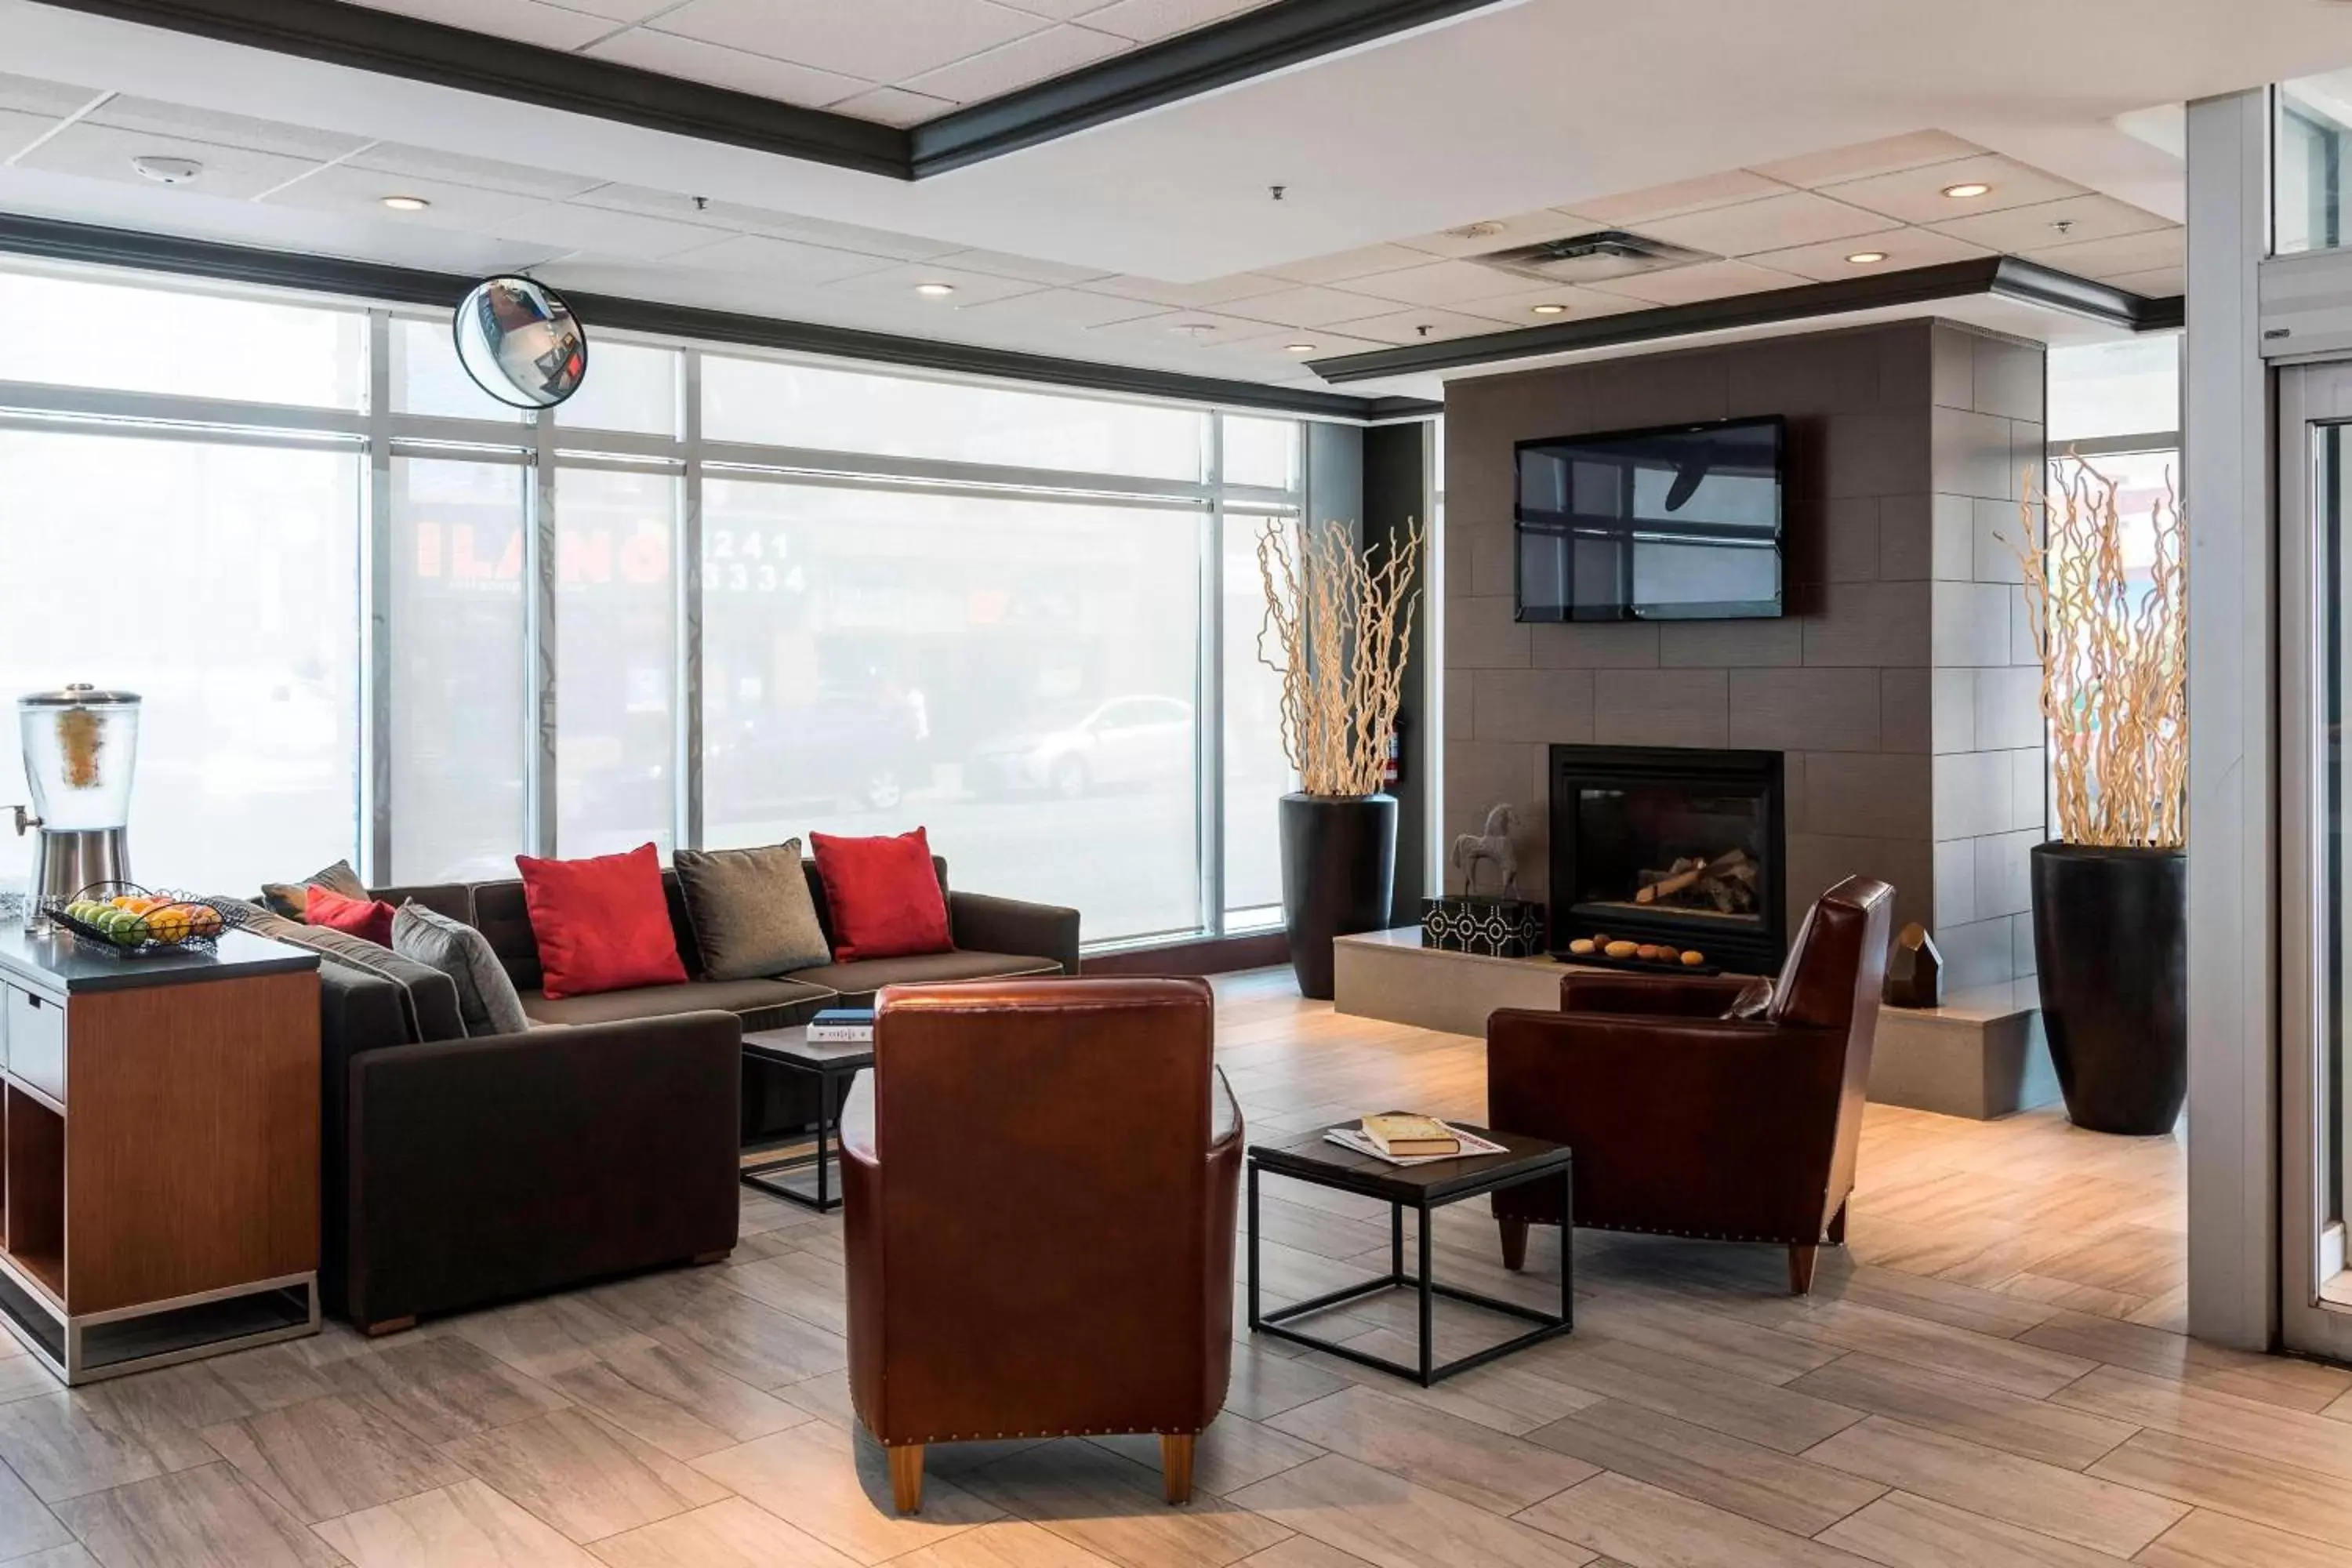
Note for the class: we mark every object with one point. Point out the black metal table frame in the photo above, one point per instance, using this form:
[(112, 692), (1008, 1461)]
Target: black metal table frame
[(1549, 1325), (831, 1091)]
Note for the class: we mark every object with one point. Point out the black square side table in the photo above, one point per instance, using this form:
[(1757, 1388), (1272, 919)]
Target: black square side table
[(833, 1063), (1423, 1188)]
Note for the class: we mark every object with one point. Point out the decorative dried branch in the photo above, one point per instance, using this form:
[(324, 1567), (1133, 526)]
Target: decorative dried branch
[(2115, 664), (1342, 627)]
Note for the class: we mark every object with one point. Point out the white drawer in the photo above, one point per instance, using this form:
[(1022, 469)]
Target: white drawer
[(37, 1042)]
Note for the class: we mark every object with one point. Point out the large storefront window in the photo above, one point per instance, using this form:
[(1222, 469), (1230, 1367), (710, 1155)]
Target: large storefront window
[(715, 599)]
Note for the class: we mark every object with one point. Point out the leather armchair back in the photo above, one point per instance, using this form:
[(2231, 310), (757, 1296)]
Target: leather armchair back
[(1040, 1215)]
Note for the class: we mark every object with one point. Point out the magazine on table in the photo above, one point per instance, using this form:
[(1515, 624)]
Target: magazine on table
[(1354, 1138)]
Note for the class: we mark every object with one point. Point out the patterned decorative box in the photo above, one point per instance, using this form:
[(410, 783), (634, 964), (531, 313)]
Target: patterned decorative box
[(1498, 928)]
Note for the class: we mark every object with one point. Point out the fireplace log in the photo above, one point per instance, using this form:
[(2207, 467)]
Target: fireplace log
[(1689, 873)]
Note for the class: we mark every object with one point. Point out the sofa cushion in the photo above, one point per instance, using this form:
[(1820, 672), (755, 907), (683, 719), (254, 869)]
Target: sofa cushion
[(428, 1000), (362, 917), (486, 997), (288, 899), (454, 900), (884, 896), (499, 913), (601, 922), (751, 910), (761, 1004), (867, 975)]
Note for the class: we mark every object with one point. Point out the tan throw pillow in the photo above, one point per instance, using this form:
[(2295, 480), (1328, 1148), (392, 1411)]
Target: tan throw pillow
[(751, 912), (290, 900)]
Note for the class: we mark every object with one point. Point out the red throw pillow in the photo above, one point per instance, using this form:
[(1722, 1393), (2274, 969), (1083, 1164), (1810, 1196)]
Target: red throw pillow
[(370, 918), (884, 896), (601, 924)]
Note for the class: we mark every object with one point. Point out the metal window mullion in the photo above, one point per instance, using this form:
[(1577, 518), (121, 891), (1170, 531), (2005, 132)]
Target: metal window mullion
[(1209, 732), (540, 696), (687, 574), (375, 606)]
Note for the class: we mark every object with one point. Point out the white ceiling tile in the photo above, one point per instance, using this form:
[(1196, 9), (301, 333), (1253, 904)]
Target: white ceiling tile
[(19, 131), (1066, 308), (462, 169), (875, 40), (1018, 64), (1029, 268), (1517, 307), (1361, 262), (2155, 284), (738, 70), (785, 261), (869, 241), (1058, 10), (549, 27), (603, 230), (104, 152), (1328, 341), (1148, 20), (31, 95), (2086, 217), (897, 283), (1307, 307), (1435, 283), (1683, 196), (2105, 258), (1199, 296), (621, 10), (1426, 326), (1187, 329), (1772, 223), (1887, 155), (764, 220), (1701, 280), (1527, 228), (1916, 195), (222, 130), (1905, 247), (359, 192), (893, 106)]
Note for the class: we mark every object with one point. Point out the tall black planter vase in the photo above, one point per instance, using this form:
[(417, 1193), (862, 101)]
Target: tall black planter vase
[(2111, 940), (1338, 868)]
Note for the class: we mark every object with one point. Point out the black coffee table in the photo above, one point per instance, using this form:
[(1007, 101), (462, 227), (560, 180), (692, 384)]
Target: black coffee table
[(1424, 1189), (833, 1064)]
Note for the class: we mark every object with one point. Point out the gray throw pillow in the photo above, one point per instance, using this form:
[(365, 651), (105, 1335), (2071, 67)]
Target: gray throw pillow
[(751, 910), (487, 998), (291, 899)]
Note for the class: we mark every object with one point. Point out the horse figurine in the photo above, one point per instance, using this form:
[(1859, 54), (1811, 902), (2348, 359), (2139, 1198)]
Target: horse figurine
[(1494, 844)]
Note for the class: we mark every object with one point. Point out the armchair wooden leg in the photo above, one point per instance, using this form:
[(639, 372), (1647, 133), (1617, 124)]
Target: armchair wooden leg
[(1176, 1466), (1800, 1270), (1837, 1224), (1515, 1243), (906, 1478), (389, 1326)]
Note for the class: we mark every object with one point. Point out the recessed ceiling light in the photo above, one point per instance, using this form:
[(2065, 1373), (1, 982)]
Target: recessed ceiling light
[(1866, 258), (935, 291), (1551, 309), (406, 203), (167, 171), (1299, 348), (1966, 189)]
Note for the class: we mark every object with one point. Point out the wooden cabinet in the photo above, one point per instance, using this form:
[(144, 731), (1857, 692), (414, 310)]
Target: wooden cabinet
[(159, 1150)]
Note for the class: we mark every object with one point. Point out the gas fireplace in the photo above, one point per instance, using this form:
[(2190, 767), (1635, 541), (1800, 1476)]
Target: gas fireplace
[(1670, 843)]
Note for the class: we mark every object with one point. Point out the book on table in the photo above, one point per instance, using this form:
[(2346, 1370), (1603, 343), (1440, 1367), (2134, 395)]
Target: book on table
[(1459, 1144), (1412, 1137), (842, 1026)]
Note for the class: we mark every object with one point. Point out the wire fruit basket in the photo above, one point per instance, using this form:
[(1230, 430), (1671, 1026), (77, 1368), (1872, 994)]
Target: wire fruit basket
[(132, 921)]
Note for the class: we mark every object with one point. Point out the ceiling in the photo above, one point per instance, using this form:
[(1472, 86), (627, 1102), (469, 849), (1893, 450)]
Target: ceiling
[(1155, 241)]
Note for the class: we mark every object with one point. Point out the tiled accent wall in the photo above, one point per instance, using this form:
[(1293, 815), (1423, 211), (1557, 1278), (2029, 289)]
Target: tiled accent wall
[(1892, 686)]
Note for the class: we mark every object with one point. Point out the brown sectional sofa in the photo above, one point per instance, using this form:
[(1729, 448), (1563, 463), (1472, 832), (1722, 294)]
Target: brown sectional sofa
[(458, 1172)]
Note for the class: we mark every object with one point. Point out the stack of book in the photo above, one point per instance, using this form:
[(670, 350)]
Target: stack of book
[(841, 1026), (1402, 1140)]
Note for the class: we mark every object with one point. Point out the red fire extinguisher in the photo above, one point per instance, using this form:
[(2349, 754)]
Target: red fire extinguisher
[(1392, 755)]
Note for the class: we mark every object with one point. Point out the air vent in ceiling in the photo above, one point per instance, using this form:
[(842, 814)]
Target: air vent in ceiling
[(1592, 258)]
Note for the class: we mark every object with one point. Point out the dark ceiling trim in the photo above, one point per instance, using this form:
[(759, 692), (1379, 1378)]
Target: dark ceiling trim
[(1268, 39), (2003, 276), (1250, 45), (51, 239)]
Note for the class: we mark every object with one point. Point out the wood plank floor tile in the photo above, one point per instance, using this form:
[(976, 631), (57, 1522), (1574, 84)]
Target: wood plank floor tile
[(205, 1518), (554, 1334), (1905, 1532), (1730, 1473), (1759, 1412), (1007, 1543), (586, 1478), (1233, 1453), (25, 1525), (732, 1533), (2099, 1514), (66, 1447), (1113, 1509), (1444, 1453), (463, 1526), (74, 1556), (2004, 1364), (1390, 1522), (1306, 1552), (1514, 1394), (2263, 1431), (679, 1404), (1665, 1322), (835, 1488), (443, 1388), (1265, 1384), (2273, 1380), (2217, 1540), (2228, 1481), (330, 1457), (1648, 1526), (1922, 1395), (808, 1287)]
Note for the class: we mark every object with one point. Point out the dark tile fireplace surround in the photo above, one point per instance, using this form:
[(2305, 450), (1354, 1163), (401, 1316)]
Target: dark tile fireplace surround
[(1704, 830)]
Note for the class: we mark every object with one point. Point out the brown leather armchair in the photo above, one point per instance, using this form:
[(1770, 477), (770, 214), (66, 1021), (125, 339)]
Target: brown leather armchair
[(1688, 1116), (1039, 1179)]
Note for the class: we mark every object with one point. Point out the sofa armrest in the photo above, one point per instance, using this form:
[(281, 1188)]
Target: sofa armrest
[(981, 924), (1671, 995), (483, 1169)]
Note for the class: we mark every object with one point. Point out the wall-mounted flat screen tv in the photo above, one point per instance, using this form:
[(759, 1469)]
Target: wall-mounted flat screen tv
[(1679, 523)]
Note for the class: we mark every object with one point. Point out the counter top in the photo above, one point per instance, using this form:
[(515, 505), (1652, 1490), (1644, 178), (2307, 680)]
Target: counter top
[(59, 965)]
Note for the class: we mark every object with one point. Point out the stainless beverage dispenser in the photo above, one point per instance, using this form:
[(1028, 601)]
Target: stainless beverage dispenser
[(80, 745)]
